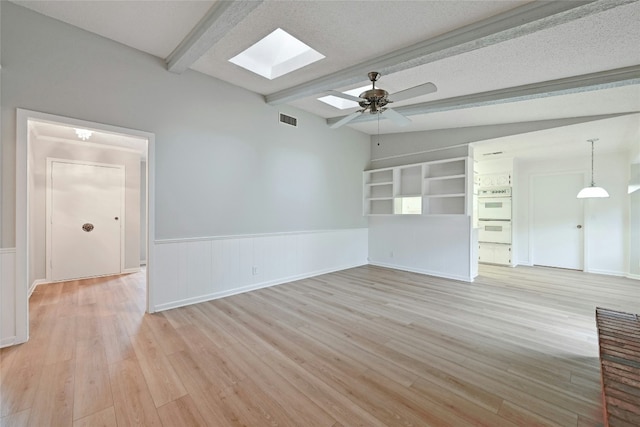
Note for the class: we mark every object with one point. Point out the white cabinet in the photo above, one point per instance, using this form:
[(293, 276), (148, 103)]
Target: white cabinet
[(433, 188), (494, 253)]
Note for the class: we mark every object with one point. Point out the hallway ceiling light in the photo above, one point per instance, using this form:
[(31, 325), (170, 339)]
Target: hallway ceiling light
[(592, 191), (84, 134)]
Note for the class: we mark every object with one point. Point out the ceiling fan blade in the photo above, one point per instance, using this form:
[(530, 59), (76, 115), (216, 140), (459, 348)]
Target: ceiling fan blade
[(345, 120), (396, 117), (344, 96), (414, 92)]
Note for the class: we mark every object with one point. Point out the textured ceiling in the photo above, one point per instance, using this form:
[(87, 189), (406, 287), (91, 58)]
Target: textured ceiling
[(585, 37), (155, 26), (346, 32)]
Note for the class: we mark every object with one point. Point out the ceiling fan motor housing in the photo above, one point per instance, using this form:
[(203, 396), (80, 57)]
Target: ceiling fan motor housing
[(375, 99)]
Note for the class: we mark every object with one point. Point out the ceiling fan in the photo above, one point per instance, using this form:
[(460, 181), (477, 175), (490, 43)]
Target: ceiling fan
[(375, 101)]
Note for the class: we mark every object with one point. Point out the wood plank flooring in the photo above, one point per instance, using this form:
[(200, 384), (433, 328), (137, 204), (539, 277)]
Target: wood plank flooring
[(362, 347)]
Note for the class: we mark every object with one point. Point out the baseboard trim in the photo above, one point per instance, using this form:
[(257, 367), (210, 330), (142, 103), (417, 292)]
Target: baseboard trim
[(421, 271), (35, 284), (252, 287), (606, 272), (8, 342), (130, 270), (632, 276)]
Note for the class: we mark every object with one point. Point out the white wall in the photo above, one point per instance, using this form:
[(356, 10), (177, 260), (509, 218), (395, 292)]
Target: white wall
[(606, 220), (494, 166), (438, 246), (224, 165), (41, 149)]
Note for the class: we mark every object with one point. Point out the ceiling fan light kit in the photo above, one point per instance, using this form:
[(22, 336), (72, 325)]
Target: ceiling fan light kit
[(375, 101), (592, 191)]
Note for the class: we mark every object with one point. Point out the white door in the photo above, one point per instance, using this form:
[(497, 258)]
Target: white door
[(558, 232), (85, 214)]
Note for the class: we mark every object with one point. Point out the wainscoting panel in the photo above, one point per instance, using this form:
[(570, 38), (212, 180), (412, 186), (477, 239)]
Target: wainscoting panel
[(7, 296), (188, 271)]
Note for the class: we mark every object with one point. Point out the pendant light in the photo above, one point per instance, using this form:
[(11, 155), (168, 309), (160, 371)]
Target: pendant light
[(592, 191)]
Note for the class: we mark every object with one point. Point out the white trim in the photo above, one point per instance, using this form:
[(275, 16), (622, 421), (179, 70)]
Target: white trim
[(252, 287), (524, 263), (632, 276), (37, 283), (606, 272), (251, 236), (49, 207), (9, 341), (7, 251), (130, 270), (421, 271), (22, 206)]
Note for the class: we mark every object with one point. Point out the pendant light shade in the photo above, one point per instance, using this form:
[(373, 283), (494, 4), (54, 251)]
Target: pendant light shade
[(592, 191)]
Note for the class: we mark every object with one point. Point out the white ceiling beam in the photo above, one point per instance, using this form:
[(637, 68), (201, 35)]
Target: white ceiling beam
[(527, 19), (219, 20), (587, 82)]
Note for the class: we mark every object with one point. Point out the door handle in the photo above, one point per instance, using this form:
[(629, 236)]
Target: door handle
[(578, 226), (87, 227)]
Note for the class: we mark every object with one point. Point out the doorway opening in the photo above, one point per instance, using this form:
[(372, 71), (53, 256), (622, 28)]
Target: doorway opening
[(50, 146)]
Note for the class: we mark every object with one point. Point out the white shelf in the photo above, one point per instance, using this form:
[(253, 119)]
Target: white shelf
[(435, 196), (437, 178), (441, 188)]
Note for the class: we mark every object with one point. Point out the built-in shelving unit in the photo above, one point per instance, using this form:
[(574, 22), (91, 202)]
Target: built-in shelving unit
[(431, 188), (378, 191)]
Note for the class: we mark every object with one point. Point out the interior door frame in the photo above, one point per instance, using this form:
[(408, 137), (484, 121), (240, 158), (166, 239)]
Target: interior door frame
[(23, 178), (585, 227), (49, 208)]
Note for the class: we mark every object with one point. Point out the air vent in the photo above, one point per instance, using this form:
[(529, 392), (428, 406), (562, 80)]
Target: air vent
[(288, 120)]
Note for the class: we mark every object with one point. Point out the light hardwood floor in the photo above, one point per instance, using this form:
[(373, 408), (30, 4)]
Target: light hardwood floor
[(361, 347)]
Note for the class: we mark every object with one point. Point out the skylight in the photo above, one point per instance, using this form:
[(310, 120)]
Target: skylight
[(277, 54), (342, 103)]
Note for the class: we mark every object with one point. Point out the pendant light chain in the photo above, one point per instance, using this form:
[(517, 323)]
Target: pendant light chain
[(592, 191), (593, 182)]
